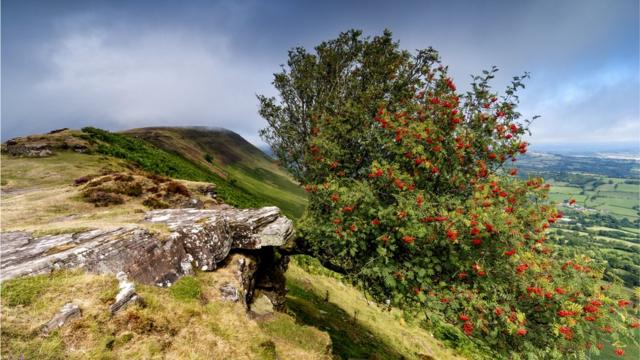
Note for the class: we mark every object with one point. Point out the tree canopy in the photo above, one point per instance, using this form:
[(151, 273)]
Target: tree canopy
[(413, 197)]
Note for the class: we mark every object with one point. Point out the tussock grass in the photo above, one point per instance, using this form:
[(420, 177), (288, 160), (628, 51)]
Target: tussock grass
[(168, 327)]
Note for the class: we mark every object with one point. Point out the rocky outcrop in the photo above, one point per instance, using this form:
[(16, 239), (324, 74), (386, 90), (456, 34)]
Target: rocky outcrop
[(200, 239), (32, 149), (46, 145)]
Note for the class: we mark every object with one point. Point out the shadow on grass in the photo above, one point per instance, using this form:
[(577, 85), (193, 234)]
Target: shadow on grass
[(349, 338)]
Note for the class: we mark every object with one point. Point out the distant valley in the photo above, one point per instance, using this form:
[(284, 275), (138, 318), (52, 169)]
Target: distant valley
[(604, 222)]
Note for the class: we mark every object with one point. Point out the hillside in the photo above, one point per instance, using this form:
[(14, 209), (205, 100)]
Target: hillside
[(85, 180), (78, 181), (233, 158)]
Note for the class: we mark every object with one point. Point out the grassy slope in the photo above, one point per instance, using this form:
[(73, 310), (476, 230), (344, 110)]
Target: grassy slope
[(232, 158), (38, 195), (180, 323), (359, 329), (187, 321), (155, 160)]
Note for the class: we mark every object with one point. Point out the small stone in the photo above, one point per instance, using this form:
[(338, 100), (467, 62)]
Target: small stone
[(127, 294), (68, 312), (262, 306), (229, 292)]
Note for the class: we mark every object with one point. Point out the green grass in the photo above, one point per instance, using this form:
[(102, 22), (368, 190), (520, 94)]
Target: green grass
[(628, 188), (617, 198), (284, 328), (158, 161), (633, 230), (166, 327), (58, 170), (359, 329), (631, 352), (186, 289), (45, 348), (24, 291), (232, 158), (290, 199), (568, 190)]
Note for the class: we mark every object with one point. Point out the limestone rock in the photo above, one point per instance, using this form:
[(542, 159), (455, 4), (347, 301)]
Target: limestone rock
[(262, 306), (199, 238), (202, 238), (133, 250), (240, 271), (46, 145), (127, 294), (68, 312)]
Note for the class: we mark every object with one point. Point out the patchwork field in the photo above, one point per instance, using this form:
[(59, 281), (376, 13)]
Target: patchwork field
[(603, 223), (607, 195)]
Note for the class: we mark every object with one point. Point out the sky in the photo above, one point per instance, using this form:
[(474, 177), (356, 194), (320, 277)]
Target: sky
[(126, 64)]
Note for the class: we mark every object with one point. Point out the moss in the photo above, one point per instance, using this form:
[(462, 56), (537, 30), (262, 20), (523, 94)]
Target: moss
[(186, 289)]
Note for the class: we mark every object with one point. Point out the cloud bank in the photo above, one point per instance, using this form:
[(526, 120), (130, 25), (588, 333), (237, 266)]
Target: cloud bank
[(121, 65)]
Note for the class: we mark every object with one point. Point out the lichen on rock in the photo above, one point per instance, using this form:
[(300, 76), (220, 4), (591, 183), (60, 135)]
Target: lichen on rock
[(201, 239)]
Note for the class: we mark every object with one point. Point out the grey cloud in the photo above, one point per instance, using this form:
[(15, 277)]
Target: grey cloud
[(127, 64), (153, 77)]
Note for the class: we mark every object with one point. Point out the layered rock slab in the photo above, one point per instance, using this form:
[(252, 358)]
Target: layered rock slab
[(199, 238)]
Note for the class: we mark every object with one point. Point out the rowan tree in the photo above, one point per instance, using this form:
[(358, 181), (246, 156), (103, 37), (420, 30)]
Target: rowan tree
[(414, 198)]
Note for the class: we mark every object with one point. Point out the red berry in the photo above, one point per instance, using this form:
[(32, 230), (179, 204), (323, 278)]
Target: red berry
[(408, 239), (467, 328)]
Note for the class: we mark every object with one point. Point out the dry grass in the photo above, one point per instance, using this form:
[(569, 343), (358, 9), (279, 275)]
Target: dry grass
[(40, 194), (23, 174), (165, 328)]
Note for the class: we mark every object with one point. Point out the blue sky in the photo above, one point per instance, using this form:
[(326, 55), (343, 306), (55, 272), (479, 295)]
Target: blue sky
[(124, 64)]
